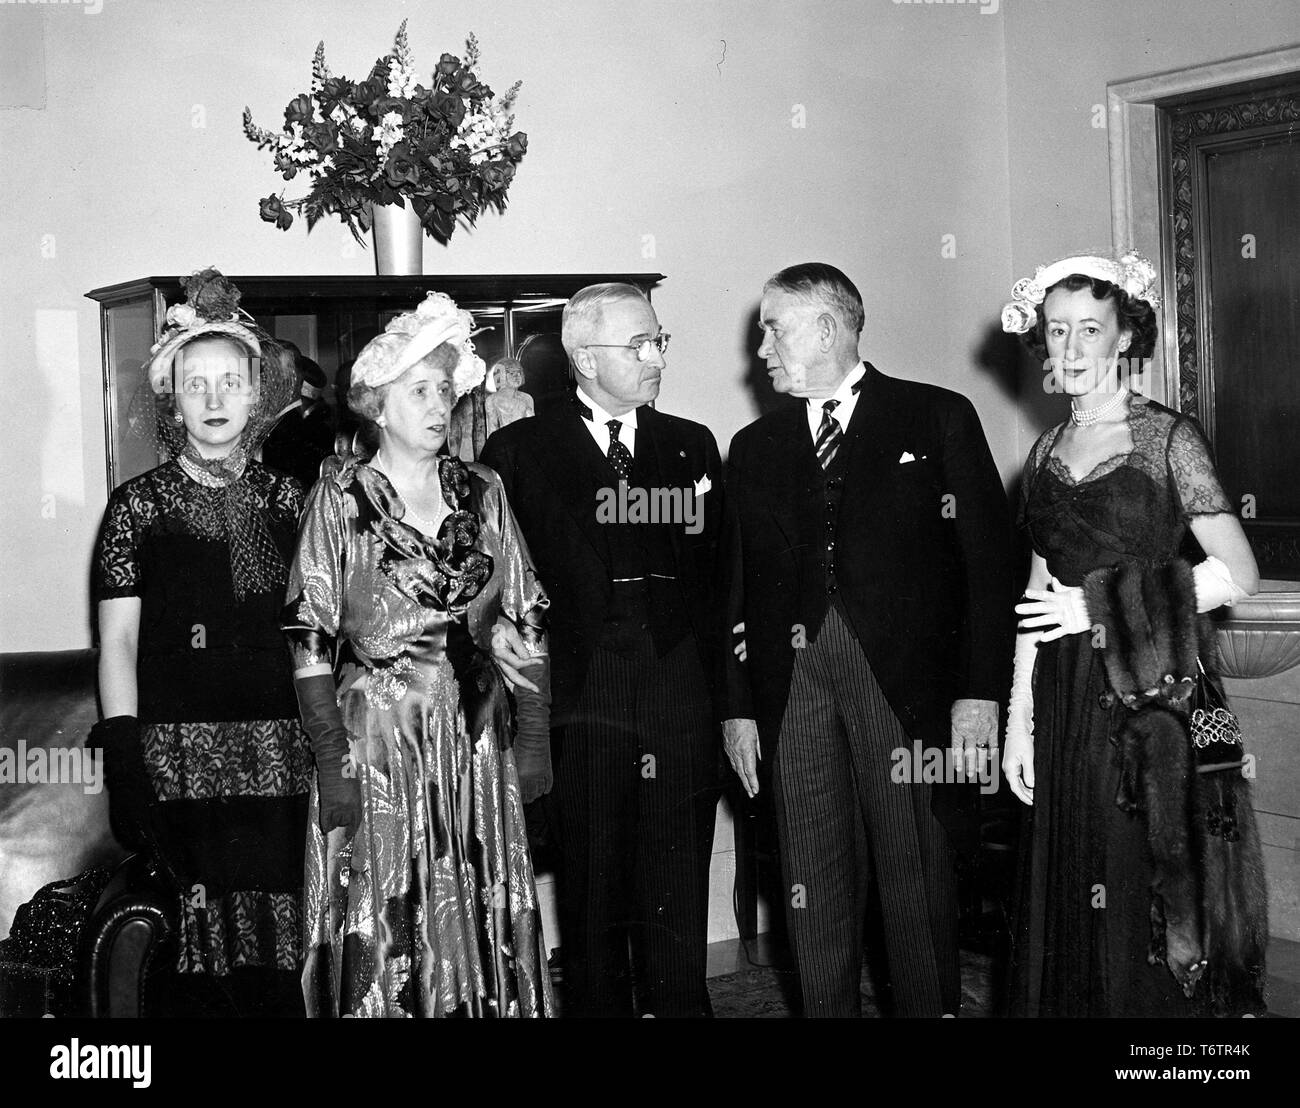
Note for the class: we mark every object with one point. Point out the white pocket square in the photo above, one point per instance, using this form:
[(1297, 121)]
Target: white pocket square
[(702, 485), (906, 456)]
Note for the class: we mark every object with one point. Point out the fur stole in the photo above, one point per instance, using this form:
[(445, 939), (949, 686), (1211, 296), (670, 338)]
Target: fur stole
[(1209, 907)]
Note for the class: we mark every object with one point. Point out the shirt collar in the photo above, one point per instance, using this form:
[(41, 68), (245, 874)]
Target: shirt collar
[(602, 417), (848, 389)]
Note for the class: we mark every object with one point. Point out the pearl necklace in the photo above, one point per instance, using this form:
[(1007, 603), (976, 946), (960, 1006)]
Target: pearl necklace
[(211, 480), (1086, 417)]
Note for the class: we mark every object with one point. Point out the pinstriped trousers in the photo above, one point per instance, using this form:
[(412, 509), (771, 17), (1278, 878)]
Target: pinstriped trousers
[(840, 819), (635, 785)]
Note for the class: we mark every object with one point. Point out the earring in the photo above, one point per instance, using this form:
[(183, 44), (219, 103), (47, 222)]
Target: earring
[(178, 417)]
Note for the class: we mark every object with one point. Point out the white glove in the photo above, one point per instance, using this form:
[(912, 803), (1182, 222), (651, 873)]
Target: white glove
[(1018, 751), (1214, 585), (1058, 610)]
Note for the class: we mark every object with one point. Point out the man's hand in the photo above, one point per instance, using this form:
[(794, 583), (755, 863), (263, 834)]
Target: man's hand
[(740, 649), (511, 655), (974, 732), (740, 740)]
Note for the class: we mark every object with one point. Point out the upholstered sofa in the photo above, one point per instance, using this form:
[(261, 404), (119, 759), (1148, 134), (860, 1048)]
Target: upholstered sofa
[(87, 946)]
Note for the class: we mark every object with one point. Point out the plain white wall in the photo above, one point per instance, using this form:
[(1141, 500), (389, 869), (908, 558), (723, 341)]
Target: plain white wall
[(638, 126)]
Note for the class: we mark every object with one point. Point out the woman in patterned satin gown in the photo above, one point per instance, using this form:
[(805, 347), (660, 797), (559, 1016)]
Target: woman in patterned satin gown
[(420, 893)]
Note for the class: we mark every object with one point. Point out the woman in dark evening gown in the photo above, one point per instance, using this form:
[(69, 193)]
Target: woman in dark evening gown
[(205, 760), (1122, 481)]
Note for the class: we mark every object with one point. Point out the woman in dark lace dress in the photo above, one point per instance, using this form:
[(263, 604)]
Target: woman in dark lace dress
[(1122, 481), (204, 757)]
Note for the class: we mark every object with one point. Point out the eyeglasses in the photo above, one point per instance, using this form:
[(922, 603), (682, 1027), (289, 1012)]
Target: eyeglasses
[(642, 348)]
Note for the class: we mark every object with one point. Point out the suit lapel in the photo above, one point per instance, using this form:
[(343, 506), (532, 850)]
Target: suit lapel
[(872, 439), (788, 467), (658, 465), (576, 470)]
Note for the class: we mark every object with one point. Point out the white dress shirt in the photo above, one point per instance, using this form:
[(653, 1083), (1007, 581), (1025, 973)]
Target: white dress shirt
[(848, 400), (600, 432)]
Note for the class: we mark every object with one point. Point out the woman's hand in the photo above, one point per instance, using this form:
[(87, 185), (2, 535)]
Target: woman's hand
[(340, 798), (1018, 751), (336, 772), (130, 792), (1018, 762), (510, 653), (1057, 610)]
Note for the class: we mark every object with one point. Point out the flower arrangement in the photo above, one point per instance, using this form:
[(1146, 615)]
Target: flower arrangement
[(449, 149)]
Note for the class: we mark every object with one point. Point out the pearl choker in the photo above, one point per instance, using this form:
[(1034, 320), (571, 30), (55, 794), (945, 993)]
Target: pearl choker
[(1086, 417)]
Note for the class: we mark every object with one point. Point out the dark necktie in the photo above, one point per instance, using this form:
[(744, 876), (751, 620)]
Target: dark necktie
[(620, 457), (829, 436)]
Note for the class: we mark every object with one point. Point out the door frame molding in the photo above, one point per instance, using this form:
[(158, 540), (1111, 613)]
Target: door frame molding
[(1136, 176)]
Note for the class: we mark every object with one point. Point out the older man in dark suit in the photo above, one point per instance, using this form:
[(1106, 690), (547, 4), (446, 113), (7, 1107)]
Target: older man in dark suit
[(621, 507), (868, 561)]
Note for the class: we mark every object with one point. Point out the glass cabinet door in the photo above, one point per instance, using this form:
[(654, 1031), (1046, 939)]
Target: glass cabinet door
[(330, 319)]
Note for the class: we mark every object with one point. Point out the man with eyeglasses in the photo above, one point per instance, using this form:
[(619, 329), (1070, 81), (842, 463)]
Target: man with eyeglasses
[(632, 623)]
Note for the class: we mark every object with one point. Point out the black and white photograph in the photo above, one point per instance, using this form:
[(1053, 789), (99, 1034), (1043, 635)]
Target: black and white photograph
[(726, 510)]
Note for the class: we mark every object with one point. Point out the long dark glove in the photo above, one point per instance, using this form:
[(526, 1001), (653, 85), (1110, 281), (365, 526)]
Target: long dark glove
[(130, 793), (340, 791), (533, 733)]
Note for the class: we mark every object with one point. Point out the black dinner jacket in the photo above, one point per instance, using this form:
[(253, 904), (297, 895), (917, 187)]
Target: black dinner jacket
[(552, 471), (927, 591)]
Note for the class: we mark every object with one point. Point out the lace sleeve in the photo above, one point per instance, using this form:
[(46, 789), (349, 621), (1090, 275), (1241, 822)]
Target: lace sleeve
[(1192, 474), (117, 553), (1033, 463)]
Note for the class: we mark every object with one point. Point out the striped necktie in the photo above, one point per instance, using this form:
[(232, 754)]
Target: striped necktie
[(829, 436), (620, 457)]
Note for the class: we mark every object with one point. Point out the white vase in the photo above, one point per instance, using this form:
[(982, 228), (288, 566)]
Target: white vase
[(399, 240)]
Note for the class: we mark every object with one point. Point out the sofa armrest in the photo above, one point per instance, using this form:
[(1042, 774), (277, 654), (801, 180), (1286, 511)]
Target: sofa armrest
[(131, 924)]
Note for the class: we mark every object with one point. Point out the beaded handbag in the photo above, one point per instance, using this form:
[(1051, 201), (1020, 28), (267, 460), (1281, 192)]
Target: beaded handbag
[(1215, 729)]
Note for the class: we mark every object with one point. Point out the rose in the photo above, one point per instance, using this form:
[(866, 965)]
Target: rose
[(1018, 317), (181, 315), (447, 65), (393, 105), (469, 371), (323, 137), (497, 175), (299, 109), (517, 146), (1026, 289), (274, 211), (211, 294), (368, 93), (400, 169), (334, 90), (450, 107)]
